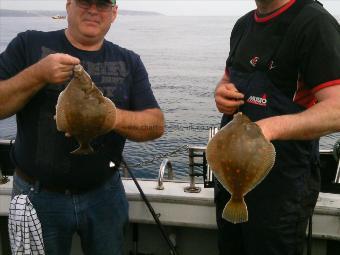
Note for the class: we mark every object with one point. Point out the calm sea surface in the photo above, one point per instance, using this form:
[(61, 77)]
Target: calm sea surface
[(185, 58)]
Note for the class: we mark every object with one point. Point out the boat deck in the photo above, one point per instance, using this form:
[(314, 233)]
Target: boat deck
[(178, 208)]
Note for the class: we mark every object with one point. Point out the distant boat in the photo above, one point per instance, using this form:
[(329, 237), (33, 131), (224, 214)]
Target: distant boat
[(58, 17)]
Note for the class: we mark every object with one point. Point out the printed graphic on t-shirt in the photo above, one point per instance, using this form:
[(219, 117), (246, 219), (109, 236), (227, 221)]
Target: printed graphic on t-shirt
[(106, 75), (261, 101)]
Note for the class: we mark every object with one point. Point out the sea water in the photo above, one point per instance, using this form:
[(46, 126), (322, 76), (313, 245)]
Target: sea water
[(185, 58)]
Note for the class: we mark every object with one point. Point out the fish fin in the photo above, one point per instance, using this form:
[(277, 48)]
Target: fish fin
[(235, 211), (269, 159), (60, 120), (83, 150)]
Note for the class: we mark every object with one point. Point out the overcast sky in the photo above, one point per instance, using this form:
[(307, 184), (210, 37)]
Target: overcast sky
[(173, 7)]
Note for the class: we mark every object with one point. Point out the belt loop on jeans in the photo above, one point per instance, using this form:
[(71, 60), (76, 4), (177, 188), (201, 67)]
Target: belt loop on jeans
[(30, 180), (25, 177)]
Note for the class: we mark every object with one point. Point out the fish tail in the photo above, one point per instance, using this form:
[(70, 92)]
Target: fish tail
[(83, 150), (235, 211)]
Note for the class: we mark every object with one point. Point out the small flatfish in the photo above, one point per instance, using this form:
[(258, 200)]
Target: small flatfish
[(83, 112), (240, 157)]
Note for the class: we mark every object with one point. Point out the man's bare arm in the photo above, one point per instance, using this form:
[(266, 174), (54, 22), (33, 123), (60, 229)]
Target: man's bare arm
[(321, 119), (17, 91), (137, 126)]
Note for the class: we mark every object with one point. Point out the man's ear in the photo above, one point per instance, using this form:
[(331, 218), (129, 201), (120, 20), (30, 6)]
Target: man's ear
[(68, 2), (114, 13)]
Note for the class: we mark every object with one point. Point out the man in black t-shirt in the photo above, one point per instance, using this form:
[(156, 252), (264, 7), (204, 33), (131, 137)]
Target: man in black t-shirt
[(71, 193), (283, 71)]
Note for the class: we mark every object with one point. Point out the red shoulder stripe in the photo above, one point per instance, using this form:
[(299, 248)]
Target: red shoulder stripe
[(304, 96), (326, 84)]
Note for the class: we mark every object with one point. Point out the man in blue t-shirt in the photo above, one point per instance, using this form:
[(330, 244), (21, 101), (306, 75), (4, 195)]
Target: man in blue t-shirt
[(71, 193)]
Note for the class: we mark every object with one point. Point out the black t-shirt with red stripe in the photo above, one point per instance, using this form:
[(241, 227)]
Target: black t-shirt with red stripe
[(298, 46)]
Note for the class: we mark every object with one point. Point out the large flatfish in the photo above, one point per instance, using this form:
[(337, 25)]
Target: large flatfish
[(240, 157), (82, 111)]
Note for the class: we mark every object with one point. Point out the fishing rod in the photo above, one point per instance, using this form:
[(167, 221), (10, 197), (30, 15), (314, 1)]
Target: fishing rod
[(152, 211), (309, 236)]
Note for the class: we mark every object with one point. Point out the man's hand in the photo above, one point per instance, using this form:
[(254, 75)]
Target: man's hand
[(56, 68), (227, 97)]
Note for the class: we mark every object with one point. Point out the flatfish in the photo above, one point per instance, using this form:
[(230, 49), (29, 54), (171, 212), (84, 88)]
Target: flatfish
[(240, 158), (83, 112)]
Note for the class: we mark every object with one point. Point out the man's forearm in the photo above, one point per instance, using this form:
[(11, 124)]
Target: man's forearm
[(319, 120), (18, 90), (140, 126)]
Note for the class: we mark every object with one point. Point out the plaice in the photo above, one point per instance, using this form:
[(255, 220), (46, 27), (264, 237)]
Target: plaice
[(83, 112), (240, 157)]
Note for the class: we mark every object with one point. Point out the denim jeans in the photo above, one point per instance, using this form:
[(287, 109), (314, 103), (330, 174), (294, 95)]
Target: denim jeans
[(99, 217)]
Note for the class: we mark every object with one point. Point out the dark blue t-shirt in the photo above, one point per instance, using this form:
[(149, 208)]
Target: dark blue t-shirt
[(42, 151)]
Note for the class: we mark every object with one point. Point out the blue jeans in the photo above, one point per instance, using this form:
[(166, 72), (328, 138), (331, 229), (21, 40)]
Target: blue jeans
[(99, 217)]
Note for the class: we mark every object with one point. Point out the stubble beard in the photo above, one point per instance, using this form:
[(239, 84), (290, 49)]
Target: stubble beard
[(264, 1)]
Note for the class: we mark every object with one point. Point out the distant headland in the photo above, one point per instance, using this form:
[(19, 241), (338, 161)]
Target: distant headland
[(40, 13)]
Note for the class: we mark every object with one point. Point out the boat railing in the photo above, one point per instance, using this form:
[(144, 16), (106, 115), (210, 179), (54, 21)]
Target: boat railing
[(336, 154), (166, 164), (195, 153), (6, 142), (197, 160), (5, 163), (330, 159)]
